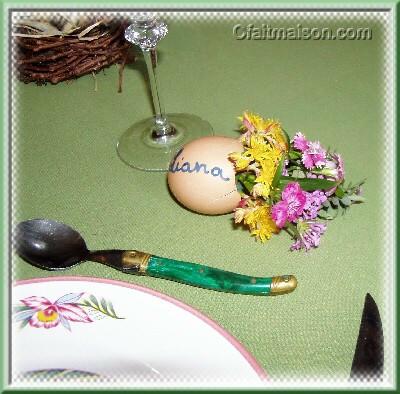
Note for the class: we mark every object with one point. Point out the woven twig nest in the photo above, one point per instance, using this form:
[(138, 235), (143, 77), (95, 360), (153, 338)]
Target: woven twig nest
[(60, 50)]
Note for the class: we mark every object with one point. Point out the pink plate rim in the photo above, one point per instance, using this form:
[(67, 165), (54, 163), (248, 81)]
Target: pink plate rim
[(231, 339)]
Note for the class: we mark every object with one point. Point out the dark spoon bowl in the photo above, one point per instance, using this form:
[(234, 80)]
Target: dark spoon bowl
[(49, 245)]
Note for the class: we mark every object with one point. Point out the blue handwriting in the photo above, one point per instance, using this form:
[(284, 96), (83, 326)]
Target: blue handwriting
[(175, 166)]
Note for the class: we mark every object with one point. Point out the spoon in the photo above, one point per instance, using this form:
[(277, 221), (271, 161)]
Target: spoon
[(54, 246)]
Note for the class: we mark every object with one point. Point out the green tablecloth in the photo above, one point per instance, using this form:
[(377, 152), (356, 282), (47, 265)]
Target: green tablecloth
[(68, 170)]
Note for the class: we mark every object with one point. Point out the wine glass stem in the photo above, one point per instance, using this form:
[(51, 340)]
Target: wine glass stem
[(161, 127)]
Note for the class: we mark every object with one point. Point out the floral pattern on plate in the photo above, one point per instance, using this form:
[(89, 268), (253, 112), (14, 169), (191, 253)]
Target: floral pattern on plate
[(40, 312)]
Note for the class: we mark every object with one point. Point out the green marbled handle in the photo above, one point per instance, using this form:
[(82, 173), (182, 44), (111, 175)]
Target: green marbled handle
[(216, 279)]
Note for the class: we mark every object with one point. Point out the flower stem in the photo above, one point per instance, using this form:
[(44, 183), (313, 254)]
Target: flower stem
[(292, 230)]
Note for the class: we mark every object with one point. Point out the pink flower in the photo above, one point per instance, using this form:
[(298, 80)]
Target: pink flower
[(292, 205), (314, 155), (313, 204), (300, 142), (309, 235), (339, 166), (334, 169), (285, 171), (279, 213), (47, 314), (295, 199)]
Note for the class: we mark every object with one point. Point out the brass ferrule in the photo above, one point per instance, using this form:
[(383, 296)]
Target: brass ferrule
[(283, 284), (135, 260)]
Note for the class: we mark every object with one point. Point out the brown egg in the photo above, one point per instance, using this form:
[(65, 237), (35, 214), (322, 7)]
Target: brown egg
[(202, 178)]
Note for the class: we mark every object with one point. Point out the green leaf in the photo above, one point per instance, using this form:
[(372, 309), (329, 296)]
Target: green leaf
[(293, 155), (334, 201), (345, 201), (20, 308), (326, 204), (248, 186), (111, 309), (340, 192), (103, 304), (278, 172), (293, 168), (250, 177), (246, 179), (239, 186), (355, 198), (94, 301), (105, 307), (326, 214), (287, 138), (307, 184), (24, 323)]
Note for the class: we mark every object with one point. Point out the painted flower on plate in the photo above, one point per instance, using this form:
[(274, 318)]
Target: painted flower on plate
[(41, 312)]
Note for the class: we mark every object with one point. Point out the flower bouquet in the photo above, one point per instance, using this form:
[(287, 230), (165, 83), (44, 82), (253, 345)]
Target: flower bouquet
[(291, 184)]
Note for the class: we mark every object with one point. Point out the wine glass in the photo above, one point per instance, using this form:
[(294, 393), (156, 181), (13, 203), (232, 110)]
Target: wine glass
[(150, 144)]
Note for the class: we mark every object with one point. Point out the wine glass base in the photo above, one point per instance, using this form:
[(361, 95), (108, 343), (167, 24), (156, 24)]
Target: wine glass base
[(138, 147)]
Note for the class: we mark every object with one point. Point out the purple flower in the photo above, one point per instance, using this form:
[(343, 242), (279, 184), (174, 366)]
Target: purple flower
[(295, 199), (290, 190), (334, 169), (313, 204), (309, 235), (279, 213), (300, 142), (292, 205), (340, 166), (285, 171), (314, 155), (314, 176)]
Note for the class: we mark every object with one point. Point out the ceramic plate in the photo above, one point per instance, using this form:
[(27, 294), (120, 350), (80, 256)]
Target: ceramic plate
[(75, 330)]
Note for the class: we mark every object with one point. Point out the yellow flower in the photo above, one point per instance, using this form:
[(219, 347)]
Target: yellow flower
[(261, 189), (251, 122), (239, 213), (276, 155), (241, 162), (264, 144), (274, 130), (267, 173), (260, 222), (272, 125), (258, 149)]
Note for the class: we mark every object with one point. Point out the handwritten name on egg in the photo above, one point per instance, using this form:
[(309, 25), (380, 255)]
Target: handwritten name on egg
[(175, 166)]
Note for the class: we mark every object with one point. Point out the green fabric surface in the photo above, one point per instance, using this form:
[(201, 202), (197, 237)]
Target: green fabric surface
[(67, 169)]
